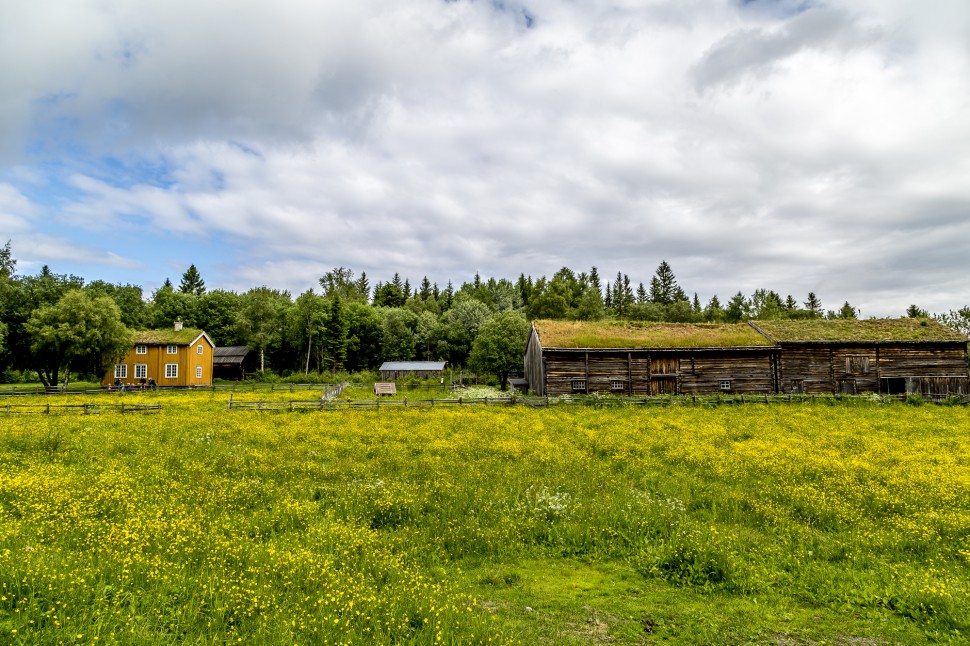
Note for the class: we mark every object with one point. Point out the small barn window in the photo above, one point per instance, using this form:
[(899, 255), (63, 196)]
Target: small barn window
[(579, 385), (141, 348), (121, 371), (617, 384), (724, 384), (141, 370), (171, 370), (857, 365), (198, 349)]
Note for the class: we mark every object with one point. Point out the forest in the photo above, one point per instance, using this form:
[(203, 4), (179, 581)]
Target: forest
[(55, 325)]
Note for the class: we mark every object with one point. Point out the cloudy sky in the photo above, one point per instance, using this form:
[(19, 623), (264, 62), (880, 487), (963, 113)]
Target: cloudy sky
[(792, 145)]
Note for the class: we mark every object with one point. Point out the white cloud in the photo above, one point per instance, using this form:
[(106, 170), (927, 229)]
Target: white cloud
[(793, 146)]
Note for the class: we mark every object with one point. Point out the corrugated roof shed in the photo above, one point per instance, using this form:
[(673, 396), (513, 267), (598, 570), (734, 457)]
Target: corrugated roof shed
[(413, 365)]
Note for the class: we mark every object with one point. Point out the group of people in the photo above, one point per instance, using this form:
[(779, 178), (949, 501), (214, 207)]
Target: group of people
[(143, 384)]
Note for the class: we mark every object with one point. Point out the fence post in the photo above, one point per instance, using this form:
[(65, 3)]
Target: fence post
[(47, 410), (122, 407)]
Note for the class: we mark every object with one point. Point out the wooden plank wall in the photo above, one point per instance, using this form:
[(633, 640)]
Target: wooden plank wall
[(748, 373), (857, 368), (801, 368), (653, 373)]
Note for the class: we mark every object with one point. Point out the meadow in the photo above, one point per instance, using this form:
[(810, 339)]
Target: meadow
[(806, 523)]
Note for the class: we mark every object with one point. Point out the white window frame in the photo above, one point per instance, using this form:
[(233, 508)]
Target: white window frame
[(198, 349), (578, 385), (171, 371), (121, 371), (198, 372), (141, 371), (141, 348), (724, 384), (617, 384), (171, 349)]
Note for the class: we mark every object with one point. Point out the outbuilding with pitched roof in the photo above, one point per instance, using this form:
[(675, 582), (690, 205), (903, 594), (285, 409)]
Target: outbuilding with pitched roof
[(891, 356), (628, 358)]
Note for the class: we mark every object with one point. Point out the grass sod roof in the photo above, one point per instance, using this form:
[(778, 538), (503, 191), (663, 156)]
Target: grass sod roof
[(185, 336), (868, 330), (626, 334)]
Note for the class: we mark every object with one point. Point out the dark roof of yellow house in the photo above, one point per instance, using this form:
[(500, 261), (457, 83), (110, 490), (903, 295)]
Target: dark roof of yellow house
[(865, 330), (185, 336), (627, 334)]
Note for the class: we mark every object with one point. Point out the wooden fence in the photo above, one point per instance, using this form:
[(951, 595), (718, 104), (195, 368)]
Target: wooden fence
[(82, 409), (590, 401), (19, 391)]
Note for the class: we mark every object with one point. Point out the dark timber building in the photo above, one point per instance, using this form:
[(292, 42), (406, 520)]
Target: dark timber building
[(813, 356), (891, 356)]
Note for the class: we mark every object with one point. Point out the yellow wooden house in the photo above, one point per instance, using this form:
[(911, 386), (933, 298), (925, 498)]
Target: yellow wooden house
[(176, 357)]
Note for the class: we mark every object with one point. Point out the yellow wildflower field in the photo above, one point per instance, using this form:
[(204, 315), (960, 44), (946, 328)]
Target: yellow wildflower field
[(205, 525)]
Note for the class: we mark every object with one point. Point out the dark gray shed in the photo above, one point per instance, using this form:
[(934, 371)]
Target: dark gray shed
[(233, 362)]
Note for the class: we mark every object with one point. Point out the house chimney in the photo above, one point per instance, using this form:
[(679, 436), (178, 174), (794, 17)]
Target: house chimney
[(178, 325)]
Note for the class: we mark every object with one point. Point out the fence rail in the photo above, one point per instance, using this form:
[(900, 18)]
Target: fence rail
[(83, 409), (595, 402), (233, 387)]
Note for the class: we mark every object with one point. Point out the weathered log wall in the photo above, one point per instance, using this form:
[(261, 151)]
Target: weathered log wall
[(658, 371), (854, 368)]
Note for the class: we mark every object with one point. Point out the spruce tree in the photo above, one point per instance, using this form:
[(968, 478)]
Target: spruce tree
[(192, 282)]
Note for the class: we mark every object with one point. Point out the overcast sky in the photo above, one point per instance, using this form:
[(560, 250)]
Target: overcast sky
[(792, 145)]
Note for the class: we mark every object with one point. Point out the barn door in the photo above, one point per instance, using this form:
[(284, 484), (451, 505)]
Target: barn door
[(664, 366), (663, 386)]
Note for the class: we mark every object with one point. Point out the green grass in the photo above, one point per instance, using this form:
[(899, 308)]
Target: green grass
[(803, 523), (902, 329), (626, 334)]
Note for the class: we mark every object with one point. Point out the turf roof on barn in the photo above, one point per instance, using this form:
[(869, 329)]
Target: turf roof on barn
[(185, 336), (870, 330), (627, 334)]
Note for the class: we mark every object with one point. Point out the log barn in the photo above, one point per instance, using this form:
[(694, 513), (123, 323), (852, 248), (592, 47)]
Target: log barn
[(626, 358), (890, 356)]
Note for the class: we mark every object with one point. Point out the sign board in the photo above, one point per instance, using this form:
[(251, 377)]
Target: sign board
[(385, 388)]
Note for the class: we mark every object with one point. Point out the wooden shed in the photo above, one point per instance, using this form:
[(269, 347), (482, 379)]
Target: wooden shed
[(891, 356), (625, 358), (392, 370), (234, 362)]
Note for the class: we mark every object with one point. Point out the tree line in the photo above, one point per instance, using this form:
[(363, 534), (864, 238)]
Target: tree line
[(54, 325)]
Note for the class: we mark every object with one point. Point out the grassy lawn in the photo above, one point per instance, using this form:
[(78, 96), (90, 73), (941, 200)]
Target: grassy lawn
[(804, 524)]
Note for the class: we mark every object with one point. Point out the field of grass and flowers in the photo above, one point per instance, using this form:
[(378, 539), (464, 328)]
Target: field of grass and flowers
[(793, 523)]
